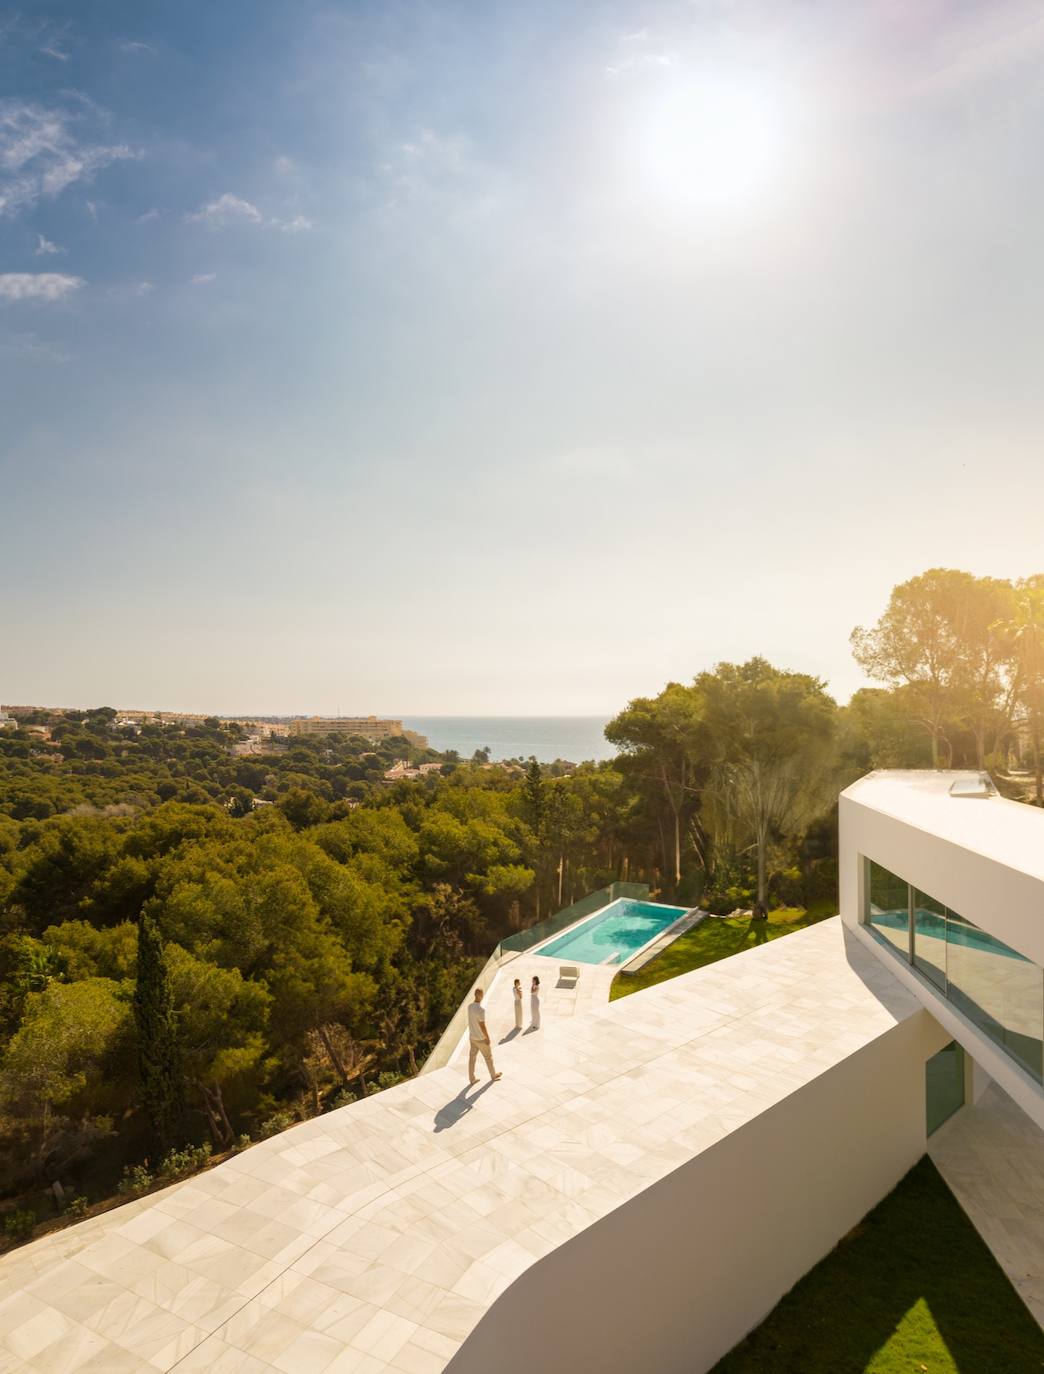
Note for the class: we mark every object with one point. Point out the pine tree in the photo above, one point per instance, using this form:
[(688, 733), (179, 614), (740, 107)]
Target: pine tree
[(534, 798), (162, 1092)]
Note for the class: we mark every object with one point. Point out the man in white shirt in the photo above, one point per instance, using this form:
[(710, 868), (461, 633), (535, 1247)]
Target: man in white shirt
[(479, 1038)]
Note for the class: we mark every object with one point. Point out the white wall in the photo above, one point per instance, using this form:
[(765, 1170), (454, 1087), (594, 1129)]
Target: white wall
[(669, 1282), (1007, 903)]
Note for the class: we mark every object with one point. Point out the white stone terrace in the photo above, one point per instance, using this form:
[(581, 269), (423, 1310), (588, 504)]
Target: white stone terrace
[(376, 1238)]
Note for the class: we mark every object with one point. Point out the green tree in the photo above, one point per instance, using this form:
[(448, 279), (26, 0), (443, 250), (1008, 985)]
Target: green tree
[(64, 1074), (772, 734), (940, 636), (159, 1061), (882, 730), (664, 738), (1026, 638)]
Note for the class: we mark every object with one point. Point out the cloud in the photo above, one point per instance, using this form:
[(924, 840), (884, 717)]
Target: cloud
[(284, 165), (230, 210), (148, 216), (41, 154), (227, 209), (44, 247), (144, 288), (37, 286), (52, 49), (297, 225), (133, 45), (203, 278)]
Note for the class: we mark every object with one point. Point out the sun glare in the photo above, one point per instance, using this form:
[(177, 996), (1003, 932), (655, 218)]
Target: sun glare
[(713, 143)]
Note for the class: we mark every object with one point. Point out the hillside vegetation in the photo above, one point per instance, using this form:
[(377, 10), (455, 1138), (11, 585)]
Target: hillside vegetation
[(198, 948)]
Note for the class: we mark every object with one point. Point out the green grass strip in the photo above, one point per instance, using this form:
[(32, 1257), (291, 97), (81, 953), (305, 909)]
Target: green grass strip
[(912, 1290)]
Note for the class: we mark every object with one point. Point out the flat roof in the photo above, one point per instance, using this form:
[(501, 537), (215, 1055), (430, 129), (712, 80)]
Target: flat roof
[(1007, 832), (389, 1227)]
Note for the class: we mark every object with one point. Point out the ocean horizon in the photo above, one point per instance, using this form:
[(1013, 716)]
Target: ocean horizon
[(579, 739)]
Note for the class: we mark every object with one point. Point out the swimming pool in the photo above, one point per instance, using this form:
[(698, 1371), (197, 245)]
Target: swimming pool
[(614, 934)]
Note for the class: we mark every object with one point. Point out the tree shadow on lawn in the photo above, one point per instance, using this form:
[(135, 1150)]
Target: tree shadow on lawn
[(914, 1276)]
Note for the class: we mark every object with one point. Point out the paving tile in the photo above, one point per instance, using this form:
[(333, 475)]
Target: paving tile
[(375, 1238)]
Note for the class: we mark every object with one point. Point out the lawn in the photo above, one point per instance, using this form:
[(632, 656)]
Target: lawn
[(912, 1289), (716, 938)]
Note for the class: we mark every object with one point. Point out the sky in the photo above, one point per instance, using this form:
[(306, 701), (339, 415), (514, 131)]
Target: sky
[(457, 358)]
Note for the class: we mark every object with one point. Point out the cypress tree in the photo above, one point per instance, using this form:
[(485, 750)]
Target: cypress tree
[(159, 1065)]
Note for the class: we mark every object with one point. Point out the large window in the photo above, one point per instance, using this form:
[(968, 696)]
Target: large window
[(995, 987), (888, 907), (929, 938)]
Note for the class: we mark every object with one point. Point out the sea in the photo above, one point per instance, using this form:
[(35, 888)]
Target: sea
[(578, 739)]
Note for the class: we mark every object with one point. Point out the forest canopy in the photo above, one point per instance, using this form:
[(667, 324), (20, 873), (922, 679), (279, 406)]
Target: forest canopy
[(199, 946)]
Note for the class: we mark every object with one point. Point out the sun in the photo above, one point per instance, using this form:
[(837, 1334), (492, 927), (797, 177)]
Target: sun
[(712, 142)]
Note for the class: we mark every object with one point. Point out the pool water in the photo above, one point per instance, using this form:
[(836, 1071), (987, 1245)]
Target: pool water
[(934, 926), (613, 934)]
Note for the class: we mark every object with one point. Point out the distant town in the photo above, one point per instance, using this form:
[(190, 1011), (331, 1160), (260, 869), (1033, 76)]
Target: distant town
[(263, 734)]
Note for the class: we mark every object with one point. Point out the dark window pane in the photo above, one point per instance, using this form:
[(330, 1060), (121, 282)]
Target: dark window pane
[(943, 1085)]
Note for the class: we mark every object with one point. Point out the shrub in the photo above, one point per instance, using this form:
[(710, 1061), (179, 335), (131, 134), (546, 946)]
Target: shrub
[(188, 1160), (278, 1121), (18, 1226), (244, 1142), (387, 1079), (76, 1208), (135, 1180), (341, 1098)]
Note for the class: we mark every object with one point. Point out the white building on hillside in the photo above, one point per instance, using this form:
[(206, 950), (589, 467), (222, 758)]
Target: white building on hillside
[(944, 880)]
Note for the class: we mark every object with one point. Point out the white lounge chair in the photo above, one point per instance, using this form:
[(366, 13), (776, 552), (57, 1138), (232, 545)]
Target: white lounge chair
[(568, 973)]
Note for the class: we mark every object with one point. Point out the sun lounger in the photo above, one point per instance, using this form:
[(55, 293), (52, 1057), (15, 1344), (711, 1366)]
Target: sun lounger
[(568, 973)]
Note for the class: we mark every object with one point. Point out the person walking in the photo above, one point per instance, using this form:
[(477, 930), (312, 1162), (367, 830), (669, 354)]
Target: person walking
[(517, 990), (478, 1036), (534, 1003)]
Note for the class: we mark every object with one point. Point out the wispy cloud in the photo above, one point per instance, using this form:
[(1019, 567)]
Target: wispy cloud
[(41, 154), (44, 247), (148, 216), (203, 278), (229, 210), (284, 165), (144, 288), (136, 46), (37, 286), (51, 49)]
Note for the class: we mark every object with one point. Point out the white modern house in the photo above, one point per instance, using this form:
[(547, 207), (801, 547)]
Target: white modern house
[(649, 1176), (944, 880)]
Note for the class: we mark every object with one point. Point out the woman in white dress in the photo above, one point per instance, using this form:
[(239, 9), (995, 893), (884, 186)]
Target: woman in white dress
[(534, 1003), (517, 990)]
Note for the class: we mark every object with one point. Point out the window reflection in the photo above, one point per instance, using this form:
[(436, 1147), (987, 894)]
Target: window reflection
[(997, 988), (994, 986), (889, 907), (929, 917)]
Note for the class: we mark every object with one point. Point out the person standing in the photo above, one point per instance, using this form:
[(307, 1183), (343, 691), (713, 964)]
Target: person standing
[(517, 990), (478, 1036), (534, 1003)]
